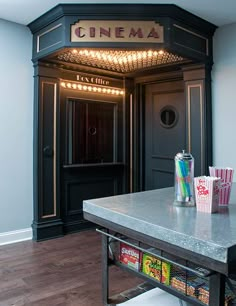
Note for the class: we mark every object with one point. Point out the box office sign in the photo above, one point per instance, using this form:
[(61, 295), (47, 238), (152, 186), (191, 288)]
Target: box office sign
[(117, 31)]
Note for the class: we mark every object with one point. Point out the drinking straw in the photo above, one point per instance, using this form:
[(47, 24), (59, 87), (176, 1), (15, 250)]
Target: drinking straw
[(181, 179), (185, 170), (187, 166)]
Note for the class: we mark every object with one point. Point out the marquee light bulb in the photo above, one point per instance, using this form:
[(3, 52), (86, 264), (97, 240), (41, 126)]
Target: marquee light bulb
[(112, 91)]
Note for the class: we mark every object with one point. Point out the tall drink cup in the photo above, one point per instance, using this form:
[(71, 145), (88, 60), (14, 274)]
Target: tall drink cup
[(184, 177)]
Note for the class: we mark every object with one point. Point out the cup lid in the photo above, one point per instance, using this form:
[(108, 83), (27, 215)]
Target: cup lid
[(184, 155)]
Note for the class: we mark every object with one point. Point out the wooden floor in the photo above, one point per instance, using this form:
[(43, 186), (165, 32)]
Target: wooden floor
[(58, 272)]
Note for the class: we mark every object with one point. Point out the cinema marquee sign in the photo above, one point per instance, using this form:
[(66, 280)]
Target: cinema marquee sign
[(117, 31)]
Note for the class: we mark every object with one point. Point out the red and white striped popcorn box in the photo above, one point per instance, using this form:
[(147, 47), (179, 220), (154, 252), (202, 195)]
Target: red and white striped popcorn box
[(225, 192), (207, 193), (226, 175)]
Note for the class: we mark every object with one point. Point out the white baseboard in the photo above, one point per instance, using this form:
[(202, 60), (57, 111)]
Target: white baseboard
[(15, 236)]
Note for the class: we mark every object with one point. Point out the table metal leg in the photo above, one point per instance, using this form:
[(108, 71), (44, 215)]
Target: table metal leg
[(217, 290), (105, 270)]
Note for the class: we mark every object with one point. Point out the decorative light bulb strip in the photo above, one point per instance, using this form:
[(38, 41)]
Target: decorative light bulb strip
[(92, 88), (121, 58)]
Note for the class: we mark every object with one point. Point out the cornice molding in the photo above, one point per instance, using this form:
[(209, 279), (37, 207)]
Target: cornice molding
[(123, 11)]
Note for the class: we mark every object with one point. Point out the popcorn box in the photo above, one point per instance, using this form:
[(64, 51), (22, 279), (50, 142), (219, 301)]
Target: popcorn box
[(225, 192), (226, 175), (207, 193)]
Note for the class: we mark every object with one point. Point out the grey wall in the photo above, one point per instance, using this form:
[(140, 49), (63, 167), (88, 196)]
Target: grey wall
[(16, 127), (224, 97)]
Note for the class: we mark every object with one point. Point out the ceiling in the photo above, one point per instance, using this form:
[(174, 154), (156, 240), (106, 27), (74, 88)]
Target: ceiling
[(217, 12), (113, 60)]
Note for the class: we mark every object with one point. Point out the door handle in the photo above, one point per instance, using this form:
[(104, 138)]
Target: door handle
[(47, 151)]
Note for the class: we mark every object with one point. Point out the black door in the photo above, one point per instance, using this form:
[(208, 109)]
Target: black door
[(93, 165), (165, 116)]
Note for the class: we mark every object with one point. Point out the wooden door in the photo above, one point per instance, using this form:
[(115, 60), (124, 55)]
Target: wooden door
[(165, 132)]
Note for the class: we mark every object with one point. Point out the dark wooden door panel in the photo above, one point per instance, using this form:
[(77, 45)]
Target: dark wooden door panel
[(92, 131), (161, 178), (164, 132), (93, 165), (88, 182), (47, 169), (78, 190)]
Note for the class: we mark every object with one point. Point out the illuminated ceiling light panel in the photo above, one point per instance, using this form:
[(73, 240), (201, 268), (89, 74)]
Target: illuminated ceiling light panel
[(119, 60)]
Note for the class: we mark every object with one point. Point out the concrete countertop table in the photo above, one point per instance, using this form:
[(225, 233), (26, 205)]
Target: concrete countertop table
[(152, 213), (208, 240)]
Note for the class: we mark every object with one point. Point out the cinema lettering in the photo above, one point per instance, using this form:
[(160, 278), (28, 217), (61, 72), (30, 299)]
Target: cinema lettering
[(117, 31)]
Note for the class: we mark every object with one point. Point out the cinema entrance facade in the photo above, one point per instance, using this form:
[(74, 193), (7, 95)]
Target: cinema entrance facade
[(119, 90)]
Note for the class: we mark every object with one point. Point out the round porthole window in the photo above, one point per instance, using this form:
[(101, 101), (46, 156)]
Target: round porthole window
[(168, 116)]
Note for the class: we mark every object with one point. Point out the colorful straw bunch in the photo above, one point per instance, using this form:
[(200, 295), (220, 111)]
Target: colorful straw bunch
[(226, 175), (183, 178)]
